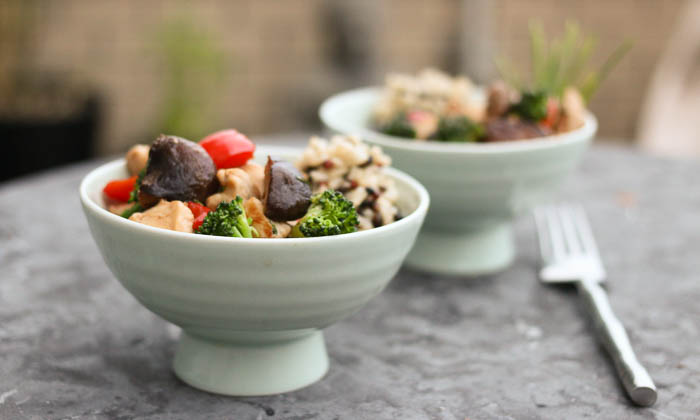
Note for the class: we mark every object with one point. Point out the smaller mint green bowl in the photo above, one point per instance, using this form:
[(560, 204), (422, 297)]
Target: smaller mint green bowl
[(476, 189), (251, 310)]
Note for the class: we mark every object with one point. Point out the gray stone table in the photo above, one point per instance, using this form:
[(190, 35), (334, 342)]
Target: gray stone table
[(75, 345)]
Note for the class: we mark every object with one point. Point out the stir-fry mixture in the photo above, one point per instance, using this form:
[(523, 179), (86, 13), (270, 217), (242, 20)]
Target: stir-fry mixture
[(213, 188), (434, 106)]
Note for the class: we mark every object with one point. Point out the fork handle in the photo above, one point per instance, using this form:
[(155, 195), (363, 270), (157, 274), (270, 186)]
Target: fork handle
[(634, 377)]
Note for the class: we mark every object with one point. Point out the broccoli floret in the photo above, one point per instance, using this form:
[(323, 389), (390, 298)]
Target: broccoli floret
[(134, 196), (399, 127), (459, 129), (532, 106), (329, 214), (135, 208), (229, 219)]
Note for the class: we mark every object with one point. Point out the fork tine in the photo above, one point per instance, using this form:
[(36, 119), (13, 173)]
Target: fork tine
[(555, 233), (584, 230), (543, 235), (566, 213)]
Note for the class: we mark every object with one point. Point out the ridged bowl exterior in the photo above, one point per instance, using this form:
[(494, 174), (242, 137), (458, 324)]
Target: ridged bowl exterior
[(471, 185), (240, 289)]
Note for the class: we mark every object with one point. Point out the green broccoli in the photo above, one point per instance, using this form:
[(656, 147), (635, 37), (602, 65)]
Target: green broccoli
[(459, 129), (532, 106), (399, 127), (135, 208), (229, 219), (134, 196), (329, 214)]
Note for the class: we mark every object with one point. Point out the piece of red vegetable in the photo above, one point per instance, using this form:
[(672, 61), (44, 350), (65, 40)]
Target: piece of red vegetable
[(120, 189), (228, 148), (199, 212), (417, 116), (552, 116), (198, 221), (197, 208)]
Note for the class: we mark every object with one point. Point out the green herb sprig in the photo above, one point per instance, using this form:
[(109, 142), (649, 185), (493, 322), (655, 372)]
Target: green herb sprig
[(562, 62)]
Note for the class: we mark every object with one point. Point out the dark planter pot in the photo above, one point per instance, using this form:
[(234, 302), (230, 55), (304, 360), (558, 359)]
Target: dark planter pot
[(29, 145)]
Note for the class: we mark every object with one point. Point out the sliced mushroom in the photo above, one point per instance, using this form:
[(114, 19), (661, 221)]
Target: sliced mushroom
[(499, 99), (508, 129), (286, 195), (178, 169)]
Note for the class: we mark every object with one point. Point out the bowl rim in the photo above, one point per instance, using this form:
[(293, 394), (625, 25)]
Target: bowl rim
[(581, 134), (90, 205)]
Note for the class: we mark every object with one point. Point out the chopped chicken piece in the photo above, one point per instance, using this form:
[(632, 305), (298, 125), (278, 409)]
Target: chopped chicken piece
[(573, 110), (265, 227), (283, 229), (246, 181), (172, 215), (137, 158), (118, 208), (254, 209)]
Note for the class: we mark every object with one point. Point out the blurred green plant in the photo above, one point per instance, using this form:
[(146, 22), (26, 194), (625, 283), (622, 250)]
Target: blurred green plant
[(561, 62), (194, 68)]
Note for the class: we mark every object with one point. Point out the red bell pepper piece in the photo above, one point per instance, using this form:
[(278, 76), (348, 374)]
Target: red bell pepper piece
[(199, 212), (552, 113), (228, 148), (120, 189)]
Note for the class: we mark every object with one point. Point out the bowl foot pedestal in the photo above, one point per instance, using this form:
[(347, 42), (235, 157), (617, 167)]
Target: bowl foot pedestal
[(473, 253), (249, 369)]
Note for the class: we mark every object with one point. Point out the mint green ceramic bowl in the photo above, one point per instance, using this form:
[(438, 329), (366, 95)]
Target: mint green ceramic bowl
[(251, 310), (475, 189)]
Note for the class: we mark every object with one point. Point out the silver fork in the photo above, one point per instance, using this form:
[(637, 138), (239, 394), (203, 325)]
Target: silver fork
[(570, 255)]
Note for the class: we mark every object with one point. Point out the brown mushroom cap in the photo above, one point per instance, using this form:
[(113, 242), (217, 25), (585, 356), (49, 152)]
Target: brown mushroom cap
[(286, 195), (509, 129), (178, 169)]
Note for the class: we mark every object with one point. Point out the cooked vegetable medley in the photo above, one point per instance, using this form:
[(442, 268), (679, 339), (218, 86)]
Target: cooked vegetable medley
[(212, 188), (434, 106)]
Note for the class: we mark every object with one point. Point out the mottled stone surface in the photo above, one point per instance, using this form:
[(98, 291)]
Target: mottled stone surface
[(75, 344)]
